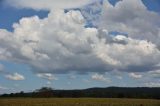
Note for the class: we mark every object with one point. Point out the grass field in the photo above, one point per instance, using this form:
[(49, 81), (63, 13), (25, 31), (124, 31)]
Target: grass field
[(77, 102)]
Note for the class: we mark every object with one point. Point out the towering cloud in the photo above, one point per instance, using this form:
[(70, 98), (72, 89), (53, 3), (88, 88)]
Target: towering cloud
[(60, 43), (133, 18)]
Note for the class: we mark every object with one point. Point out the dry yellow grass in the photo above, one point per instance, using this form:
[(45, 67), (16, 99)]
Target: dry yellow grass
[(77, 102)]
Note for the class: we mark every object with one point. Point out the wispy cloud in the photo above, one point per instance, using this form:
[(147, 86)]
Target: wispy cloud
[(47, 76), (15, 76), (3, 88), (152, 84), (47, 4), (135, 75), (99, 77)]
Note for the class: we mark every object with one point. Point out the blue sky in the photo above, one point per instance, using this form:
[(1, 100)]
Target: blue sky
[(28, 78)]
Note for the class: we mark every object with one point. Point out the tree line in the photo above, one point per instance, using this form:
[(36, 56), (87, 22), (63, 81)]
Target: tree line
[(110, 92)]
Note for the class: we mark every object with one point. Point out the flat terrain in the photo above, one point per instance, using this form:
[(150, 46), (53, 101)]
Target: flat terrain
[(77, 102)]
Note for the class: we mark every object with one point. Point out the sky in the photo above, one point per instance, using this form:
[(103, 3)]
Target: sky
[(79, 44)]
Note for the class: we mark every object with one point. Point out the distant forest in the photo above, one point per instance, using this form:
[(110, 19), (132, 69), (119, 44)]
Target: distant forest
[(110, 92)]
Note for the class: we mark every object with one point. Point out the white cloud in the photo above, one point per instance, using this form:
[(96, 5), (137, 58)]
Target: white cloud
[(100, 77), (61, 44), (15, 76), (47, 4), (133, 18), (47, 76), (130, 55), (155, 73), (3, 88), (135, 76), (152, 84)]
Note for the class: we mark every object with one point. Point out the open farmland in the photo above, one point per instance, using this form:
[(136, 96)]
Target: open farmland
[(77, 102)]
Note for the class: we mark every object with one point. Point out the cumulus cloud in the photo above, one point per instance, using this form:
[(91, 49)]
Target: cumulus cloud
[(152, 84), (155, 73), (100, 77), (15, 76), (133, 18), (61, 44), (47, 4), (47, 76), (135, 76)]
